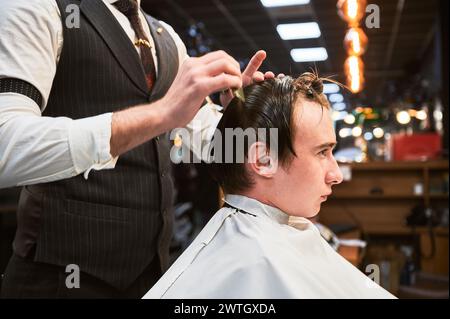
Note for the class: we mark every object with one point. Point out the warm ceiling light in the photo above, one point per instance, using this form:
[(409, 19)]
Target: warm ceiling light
[(309, 54), (354, 71), (351, 11), (292, 31), (282, 3), (355, 41)]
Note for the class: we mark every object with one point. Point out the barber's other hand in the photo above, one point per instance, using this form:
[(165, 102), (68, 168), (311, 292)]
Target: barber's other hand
[(249, 76), (196, 79)]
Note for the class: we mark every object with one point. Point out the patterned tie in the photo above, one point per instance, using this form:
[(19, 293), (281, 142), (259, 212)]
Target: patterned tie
[(130, 8)]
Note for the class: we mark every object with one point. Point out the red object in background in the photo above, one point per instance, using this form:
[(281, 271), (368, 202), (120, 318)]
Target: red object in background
[(416, 147)]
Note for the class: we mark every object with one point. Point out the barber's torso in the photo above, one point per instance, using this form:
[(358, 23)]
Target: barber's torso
[(114, 223)]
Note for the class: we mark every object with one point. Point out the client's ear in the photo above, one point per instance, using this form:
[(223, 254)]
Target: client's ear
[(260, 161)]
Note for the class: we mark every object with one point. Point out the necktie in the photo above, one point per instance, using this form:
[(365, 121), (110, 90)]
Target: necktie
[(130, 9)]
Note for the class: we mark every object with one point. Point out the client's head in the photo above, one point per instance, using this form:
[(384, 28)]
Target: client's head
[(298, 174)]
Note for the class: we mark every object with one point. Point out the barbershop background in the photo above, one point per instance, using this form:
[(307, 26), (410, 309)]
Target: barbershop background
[(392, 124)]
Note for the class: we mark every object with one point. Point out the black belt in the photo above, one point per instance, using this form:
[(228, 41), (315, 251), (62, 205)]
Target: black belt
[(11, 85)]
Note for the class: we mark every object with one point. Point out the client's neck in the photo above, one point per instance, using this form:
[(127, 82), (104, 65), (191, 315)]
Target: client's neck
[(258, 194)]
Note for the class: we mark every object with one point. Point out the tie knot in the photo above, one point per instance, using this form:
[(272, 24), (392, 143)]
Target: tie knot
[(129, 8)]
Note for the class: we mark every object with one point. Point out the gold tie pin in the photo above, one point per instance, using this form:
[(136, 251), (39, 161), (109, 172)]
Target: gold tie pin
[(142, 42)]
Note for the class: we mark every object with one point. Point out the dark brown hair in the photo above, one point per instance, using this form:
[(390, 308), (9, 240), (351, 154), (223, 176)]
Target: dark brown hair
[(268, 104)]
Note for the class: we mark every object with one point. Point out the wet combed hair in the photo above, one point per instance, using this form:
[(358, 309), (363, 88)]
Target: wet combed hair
[(268, 104)]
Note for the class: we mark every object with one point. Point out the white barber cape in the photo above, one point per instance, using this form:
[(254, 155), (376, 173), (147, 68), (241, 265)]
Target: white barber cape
[(253, 252)]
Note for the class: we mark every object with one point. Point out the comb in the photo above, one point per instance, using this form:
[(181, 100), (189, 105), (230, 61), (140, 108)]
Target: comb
[(239, 93)]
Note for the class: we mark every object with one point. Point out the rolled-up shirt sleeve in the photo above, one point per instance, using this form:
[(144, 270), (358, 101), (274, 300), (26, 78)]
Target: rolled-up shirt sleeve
[(34, 148), (38, 149)]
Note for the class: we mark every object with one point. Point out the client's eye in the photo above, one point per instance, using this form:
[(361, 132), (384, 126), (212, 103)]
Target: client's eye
[(323, 152)]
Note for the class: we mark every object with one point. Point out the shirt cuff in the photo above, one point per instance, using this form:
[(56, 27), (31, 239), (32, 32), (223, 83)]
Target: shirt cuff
[(89, 143), (201, 131)]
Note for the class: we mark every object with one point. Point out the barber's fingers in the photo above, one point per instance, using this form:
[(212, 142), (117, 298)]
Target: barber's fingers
[(224, 81), (269, 75), (221, 66), (254, 64), (258, 76)]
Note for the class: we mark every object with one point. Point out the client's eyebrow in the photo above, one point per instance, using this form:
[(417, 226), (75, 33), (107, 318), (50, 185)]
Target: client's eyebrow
[(326, 145)]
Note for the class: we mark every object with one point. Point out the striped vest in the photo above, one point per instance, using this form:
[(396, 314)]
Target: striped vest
[(115, 223)]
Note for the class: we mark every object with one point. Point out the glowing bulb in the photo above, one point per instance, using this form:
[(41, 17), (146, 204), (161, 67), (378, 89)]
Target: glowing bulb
[(368, 136), (403, 117), (356, 131), (352, 8), (339, 106), (354, 71), (351, 11), (329, 88), (438, 116), (354, 68), (336, 98), (378, 132), (339, 116), (356, 44), (349, 119), (421, 115), (355, 41), (345, 132)]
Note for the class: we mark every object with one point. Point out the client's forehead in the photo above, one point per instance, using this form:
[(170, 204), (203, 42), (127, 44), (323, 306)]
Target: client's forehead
[(312, 123)]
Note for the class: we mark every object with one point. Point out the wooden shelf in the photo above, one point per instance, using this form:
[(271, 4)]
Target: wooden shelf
[(439, 196), (386, 196), (403, 230), (399, 165), (388, 230), (8, 208)]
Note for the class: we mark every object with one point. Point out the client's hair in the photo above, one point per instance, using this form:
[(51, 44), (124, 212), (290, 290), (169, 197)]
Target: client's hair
[(268, 104)]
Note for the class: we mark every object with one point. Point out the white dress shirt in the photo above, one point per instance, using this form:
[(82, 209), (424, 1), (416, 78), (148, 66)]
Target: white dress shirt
[(262, 253), (37, 149)]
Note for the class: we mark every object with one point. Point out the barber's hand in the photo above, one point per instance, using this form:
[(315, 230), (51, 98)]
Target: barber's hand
[(249, 76), (196, 79)]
